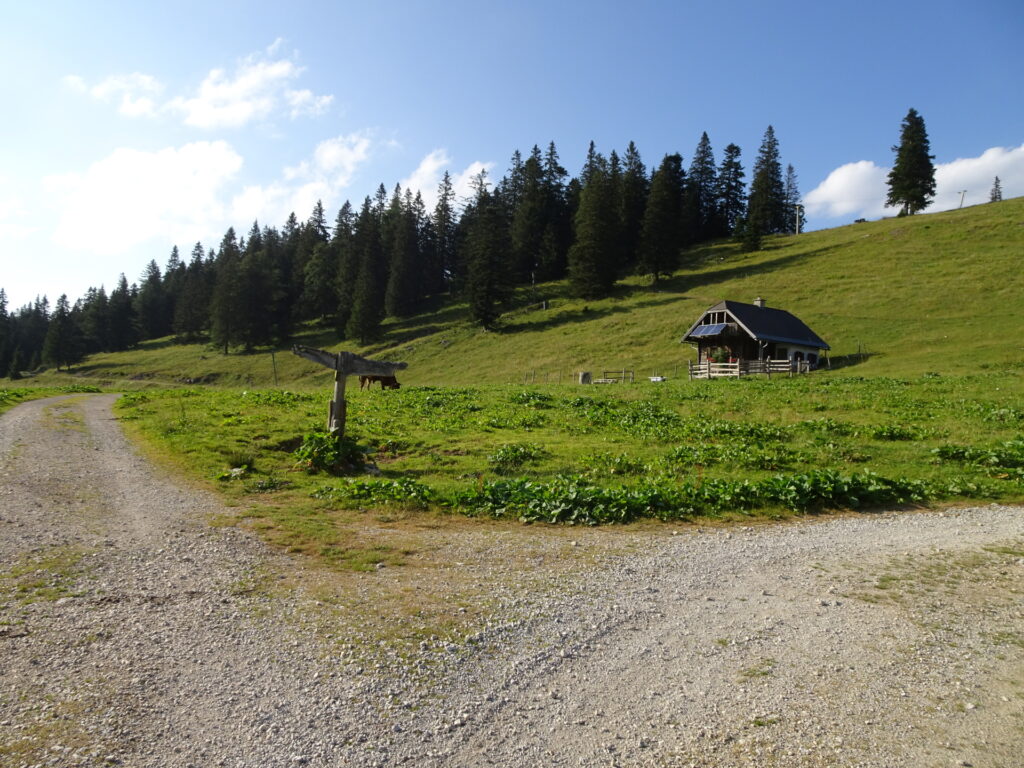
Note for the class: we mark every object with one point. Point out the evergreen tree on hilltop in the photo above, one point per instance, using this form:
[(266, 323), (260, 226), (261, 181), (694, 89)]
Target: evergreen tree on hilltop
[(256, 292), (632, 202), (662, 234), (592, 256), (529, 219), (794, 208), (732, 195), (123, 326), (174, 285), (404, 290), (557, 237), (766, 208), (226, 307), (95, 323), (151, 303), (192, 313), (702, 191), (996, 195), (445, 225), (912, 178), (488, 247), (63, 345), (6, 336), (371, 279), (343, 247)]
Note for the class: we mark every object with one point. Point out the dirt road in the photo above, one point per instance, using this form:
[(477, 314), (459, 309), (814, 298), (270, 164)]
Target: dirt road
[(131, 634)]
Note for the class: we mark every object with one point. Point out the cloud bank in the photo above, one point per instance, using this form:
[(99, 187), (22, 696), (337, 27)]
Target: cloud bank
[(259, 87), (858, 190)]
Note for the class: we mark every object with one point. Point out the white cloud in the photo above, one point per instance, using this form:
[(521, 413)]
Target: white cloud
[(135, 93), (256, 89), (976, 174), (331, 169), (462, 183), (427, 177), (858, 190), (13, 214), (854, 188), (131, 197), (259, 87)]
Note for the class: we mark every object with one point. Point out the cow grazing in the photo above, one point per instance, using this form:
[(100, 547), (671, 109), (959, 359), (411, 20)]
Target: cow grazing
[(386, 382)]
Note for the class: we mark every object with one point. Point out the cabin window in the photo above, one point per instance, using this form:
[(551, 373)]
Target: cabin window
[(812, 358)]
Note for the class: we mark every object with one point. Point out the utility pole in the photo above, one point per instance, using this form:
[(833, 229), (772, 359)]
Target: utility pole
[(962, 193)]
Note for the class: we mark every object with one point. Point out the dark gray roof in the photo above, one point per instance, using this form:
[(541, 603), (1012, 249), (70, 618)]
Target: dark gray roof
[(766, 324)]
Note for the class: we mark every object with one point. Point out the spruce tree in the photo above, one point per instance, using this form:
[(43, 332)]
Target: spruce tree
[(592, 255), (662, 235), (405, 285), (226, 308), (151, 303), (731, 190), (702, 191), (62, 346), (912, 178), (766, 208), (488, 247), (6, 336), (794, 208), (529, 219), (192, 313), (123, 327), (632, 202), (445, 226), (996, 195), (557, 237), (368, 295)]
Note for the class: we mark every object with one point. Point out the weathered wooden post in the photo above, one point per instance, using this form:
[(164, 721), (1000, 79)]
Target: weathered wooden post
[(345, 364)]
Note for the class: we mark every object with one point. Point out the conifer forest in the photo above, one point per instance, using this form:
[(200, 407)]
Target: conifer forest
[(392, 256)]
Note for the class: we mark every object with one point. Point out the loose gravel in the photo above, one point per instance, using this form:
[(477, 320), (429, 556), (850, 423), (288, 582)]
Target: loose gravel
[(134, 632)]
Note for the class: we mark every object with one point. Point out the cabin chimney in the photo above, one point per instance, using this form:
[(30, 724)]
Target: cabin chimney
[(759, 302)]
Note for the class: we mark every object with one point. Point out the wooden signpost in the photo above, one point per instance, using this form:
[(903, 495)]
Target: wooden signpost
[(345, 364)]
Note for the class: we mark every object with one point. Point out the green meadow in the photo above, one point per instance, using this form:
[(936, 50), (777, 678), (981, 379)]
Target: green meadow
[(923, 403)]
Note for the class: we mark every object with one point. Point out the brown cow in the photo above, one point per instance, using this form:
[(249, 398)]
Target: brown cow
[(386, 382)]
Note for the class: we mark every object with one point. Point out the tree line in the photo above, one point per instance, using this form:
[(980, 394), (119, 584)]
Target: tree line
[(392, 257)]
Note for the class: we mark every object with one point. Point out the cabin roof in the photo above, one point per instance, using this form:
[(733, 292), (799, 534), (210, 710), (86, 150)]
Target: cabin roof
[(762, 324)]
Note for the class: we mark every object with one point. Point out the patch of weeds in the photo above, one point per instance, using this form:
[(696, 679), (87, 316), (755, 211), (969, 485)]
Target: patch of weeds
[(402, 490), (267, 485), (43, 576), (760, 722), (512, 457), (326, 452), (764, 668), (613, 464)]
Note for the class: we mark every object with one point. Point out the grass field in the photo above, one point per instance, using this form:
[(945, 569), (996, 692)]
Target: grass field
[(938, 292), (925, 401)]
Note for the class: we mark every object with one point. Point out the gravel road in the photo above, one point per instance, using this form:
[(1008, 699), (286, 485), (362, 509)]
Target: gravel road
[(134, 632)]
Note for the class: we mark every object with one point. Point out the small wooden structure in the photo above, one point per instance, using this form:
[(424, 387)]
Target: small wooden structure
[(614, 377), (737, 339), (345, 364)]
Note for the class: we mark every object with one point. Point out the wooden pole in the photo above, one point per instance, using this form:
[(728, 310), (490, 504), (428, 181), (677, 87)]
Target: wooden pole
[(339, 408)]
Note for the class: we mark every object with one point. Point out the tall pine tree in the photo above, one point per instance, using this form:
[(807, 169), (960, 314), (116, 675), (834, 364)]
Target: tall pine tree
[(592, 256), (662, 235), (732, 196), (912, 178)]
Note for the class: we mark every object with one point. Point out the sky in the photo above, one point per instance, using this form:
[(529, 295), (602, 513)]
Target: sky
[(129, 128)]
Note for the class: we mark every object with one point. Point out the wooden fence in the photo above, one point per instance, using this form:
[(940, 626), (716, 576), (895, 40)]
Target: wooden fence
[(712, 370)]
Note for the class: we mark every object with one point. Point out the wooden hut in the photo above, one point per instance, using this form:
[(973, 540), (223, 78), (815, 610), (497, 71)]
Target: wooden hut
[(740, 338)]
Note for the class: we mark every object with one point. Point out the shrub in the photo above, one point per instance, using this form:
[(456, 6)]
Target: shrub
[(325, 452), (509, 458)]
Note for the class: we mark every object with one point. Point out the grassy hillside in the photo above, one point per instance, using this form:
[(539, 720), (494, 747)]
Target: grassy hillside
[(938, 292)]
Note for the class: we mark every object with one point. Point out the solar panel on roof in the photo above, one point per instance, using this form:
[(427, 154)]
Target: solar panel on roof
[(708, 330)]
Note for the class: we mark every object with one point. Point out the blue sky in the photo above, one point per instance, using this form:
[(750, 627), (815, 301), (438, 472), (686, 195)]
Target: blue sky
[(130, 128)]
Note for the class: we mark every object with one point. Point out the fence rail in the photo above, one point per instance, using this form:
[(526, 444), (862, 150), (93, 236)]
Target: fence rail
[(712, 370)]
